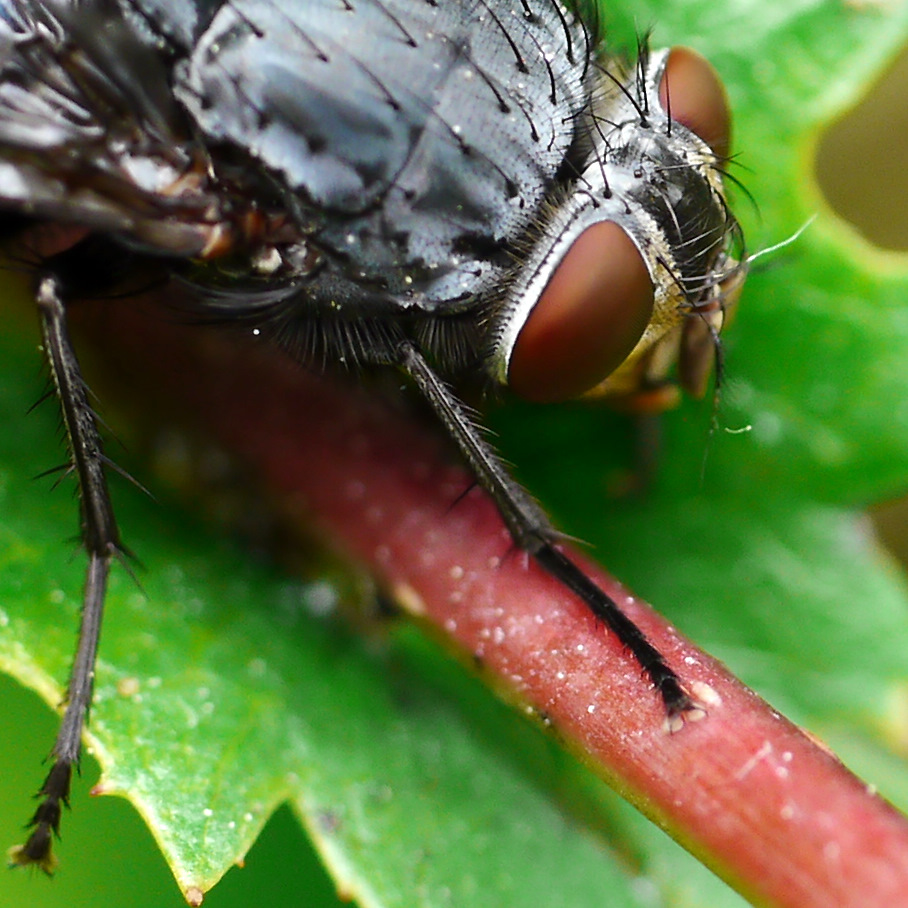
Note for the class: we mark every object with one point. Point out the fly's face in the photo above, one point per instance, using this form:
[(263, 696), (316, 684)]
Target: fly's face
[(632, 269)]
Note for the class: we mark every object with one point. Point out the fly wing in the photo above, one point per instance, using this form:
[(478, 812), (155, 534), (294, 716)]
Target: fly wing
[(89, 133)]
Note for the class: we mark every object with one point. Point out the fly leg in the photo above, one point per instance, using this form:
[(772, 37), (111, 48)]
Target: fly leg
[(533, 532), (101, 540)]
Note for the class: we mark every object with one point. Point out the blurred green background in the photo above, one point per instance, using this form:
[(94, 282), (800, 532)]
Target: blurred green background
[(862, 166)]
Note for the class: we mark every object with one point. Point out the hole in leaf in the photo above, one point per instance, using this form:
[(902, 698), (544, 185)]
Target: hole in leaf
[(862, 162), (891, 522)]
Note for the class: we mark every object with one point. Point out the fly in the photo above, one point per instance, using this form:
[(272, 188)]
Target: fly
[(452, 190)]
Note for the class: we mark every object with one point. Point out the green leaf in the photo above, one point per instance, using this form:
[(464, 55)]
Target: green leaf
[(225, 688)]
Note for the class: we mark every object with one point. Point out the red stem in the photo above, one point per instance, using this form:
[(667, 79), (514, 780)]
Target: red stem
[(771, 811)]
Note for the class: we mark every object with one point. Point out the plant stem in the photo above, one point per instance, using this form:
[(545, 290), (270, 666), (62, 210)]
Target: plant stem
[(766, 806)]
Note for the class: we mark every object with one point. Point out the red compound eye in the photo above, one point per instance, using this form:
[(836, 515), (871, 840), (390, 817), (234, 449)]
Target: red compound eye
[(694, 94), (588, 319)]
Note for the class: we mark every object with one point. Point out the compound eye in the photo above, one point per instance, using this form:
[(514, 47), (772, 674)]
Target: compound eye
[(693, 93), (590, 316)]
